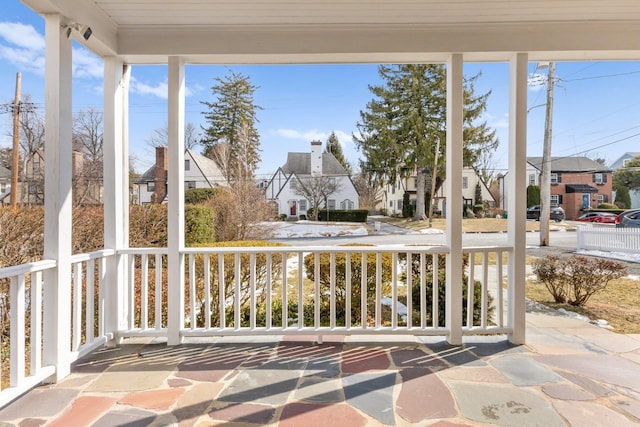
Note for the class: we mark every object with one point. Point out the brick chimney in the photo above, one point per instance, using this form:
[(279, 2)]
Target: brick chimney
[(161, 175), (316, 158)]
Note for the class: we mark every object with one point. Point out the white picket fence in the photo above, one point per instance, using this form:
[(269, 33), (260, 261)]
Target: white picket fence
[(608, 238)]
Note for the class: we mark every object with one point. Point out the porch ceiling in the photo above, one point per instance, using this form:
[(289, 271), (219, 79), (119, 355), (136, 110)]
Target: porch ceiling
[(282, 31)]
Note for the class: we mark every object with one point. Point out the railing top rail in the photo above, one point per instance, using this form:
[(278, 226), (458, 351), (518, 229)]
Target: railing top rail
[(103, 253), (142, 251), (31, 267), (486, 248), (417, 249), (324, 249)]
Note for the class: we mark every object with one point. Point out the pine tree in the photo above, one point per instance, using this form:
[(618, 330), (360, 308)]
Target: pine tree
[(232, 119), (333, 146), (399, 129)]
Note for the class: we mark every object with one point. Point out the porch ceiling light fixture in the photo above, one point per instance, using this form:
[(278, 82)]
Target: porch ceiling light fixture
[(84, 30)]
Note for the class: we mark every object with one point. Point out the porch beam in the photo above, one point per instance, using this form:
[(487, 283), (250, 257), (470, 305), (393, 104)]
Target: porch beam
[(58, 199), (116, 191), (454, 152), (516, 188), (175, 196)]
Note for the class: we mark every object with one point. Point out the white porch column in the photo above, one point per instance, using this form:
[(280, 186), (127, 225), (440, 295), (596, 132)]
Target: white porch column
[(517, 190), (116, 192), (175, 196), (58, 201), (455, 106)]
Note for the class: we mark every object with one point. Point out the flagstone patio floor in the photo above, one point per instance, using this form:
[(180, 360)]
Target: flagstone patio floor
[(569, 373)]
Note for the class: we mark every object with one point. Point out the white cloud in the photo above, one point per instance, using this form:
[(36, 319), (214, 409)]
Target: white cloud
[(309, 135), (86, 64), (21, 35), (160, 90), (22, 46), (344, 138)]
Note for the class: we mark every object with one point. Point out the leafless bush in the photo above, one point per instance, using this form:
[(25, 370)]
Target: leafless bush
[(239, 211), (575, 279)]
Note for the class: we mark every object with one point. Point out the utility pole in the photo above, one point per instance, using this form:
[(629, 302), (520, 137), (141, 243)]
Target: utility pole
[(16, 143), (545, 178), (433, 181)]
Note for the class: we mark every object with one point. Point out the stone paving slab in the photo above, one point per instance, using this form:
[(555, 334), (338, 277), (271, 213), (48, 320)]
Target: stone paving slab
[(570, 374)]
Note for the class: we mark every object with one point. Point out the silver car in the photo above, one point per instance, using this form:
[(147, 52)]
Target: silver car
[(630, 218)]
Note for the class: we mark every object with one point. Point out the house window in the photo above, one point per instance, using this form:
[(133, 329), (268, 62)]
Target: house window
[(597, 178), (187, 164), (532, 179), (302, 204), (346, 205), (465, 182), (555, 200), (189, 185), (601, 199), (35, 188), (554, 178), (36, 164), (393, 189), (331, 204), (400, 205), (151, 187)]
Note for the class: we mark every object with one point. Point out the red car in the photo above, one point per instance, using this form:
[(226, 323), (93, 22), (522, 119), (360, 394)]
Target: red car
[(600, 217)]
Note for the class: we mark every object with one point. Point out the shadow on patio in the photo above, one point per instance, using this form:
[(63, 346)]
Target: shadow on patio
[(570, 372)]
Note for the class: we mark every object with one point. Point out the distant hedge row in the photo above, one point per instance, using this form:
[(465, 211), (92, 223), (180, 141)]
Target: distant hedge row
[(359, 215)]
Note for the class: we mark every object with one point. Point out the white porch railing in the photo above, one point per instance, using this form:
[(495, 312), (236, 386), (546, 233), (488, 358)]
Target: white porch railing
[(362, 289), (26, 316), (250, 291), (608, 238)]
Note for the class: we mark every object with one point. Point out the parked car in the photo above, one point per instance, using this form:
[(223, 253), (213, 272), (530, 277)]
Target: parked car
[(630, 218), (600, 217), (556, 214)]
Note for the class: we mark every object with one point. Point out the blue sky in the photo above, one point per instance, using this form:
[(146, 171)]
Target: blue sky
[(596, 107)]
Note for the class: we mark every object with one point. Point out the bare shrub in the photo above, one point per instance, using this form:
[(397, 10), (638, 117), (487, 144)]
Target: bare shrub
[(239, 211), (576, 278), (550, 271)]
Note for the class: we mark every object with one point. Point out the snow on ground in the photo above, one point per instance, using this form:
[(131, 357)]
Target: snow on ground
[(431, 231), (287, 229), (622, 256)]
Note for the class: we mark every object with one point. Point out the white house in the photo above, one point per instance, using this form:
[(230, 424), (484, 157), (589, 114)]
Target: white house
[(392, 195), (622, 161), (199, 172), (298, 170)]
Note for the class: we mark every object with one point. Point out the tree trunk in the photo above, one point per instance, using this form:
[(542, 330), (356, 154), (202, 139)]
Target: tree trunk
[(420, 189)]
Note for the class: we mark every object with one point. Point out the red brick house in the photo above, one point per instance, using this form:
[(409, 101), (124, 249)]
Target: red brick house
[(577, 183)]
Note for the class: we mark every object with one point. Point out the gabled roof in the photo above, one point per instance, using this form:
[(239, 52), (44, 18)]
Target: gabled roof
[(300, 164), (148, 176), (570, 164), (208, 167), (4, 173)]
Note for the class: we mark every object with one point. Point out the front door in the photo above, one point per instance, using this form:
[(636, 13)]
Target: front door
[(292, 208), (585, 200)]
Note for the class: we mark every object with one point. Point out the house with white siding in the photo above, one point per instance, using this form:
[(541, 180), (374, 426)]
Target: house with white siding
[(299, 169), (199, 172)]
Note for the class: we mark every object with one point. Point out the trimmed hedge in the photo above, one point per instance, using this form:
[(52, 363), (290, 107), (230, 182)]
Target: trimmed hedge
[(359, 215), (195, 196), (198, 225)]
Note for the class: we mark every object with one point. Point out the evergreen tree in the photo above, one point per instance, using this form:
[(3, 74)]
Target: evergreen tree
[(232, 119), (399, 129), (623, 199), (478, 195), (533, 195), (628, 176), (333, 146)]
